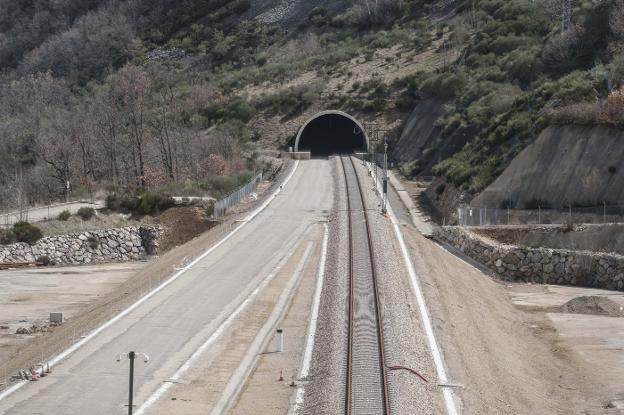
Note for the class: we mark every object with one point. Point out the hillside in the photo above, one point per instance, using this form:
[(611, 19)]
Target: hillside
[(129, 95)]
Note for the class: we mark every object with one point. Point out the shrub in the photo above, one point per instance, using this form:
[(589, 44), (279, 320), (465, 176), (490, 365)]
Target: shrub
[(86, 213), (144, 204), (153, 204), (64, 215), (406, 102), (612, 169), (291, 101), (25, 232), (440, 188), (7, 237), (375, 106), (609, 111), (210, 208), (113, 202), (239, 109), (444, 85), (410, 168), (537, 203), (507, 203)]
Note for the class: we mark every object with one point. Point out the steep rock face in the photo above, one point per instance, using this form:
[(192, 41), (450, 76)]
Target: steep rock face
[(422, 140), (419, 130), (565, 165)]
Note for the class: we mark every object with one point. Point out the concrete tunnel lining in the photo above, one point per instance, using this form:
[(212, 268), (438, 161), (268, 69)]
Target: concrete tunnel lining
[(302, 145)]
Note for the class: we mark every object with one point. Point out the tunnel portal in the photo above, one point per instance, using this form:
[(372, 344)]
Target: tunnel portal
[(331, 132)]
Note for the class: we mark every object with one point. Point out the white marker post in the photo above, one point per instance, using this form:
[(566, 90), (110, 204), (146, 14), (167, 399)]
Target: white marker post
[(280, 340)]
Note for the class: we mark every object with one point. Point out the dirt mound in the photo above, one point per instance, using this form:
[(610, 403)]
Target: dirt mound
[(181, 224), (593, 305)]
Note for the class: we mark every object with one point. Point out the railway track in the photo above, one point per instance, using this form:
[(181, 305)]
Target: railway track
[(367, 381)]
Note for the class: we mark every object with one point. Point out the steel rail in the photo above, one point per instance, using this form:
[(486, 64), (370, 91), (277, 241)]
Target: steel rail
[(379, 321)]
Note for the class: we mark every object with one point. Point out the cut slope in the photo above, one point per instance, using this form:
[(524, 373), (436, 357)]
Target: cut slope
[(565, 165)]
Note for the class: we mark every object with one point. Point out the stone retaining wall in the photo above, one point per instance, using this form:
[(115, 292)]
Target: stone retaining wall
[(540, 265), (110, 245)]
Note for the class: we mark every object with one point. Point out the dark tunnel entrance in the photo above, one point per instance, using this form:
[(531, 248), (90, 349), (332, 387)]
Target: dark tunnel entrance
[(331, 132)]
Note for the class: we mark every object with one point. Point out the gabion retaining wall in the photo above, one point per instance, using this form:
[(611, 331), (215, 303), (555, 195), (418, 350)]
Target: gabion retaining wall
[(540, 265), (110, 245)]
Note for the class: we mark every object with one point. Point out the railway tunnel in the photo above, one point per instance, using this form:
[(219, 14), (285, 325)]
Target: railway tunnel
[(331, 132)]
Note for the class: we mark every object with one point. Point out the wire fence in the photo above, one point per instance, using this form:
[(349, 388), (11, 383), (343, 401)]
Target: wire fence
[(484, 216), (233, 199), (45, 212)]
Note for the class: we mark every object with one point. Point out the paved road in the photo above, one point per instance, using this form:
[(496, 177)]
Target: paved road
[(43, 213), (171, 325)]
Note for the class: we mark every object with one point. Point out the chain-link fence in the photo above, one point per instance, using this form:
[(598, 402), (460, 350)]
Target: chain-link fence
[(221, 206), (480, 216), (41, 213)]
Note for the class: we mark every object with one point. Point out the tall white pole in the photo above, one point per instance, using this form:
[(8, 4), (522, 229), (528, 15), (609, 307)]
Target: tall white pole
[(385, 178)]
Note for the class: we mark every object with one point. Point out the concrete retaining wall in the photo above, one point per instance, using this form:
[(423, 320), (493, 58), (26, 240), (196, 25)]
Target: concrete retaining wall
[(110, 245), (296, 155), (540, 265)]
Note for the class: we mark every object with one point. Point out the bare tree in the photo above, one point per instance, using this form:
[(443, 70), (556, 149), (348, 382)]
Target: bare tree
[(132, 86), (170, 136)]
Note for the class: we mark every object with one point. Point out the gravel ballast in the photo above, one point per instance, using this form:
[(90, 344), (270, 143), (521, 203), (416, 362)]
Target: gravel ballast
[(325, 392), (405, 342)]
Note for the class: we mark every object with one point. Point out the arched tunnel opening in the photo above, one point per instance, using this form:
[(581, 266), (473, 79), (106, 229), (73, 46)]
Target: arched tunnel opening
[(331, 133)]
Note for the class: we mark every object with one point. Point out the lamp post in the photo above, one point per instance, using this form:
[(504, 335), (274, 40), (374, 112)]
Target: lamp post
[(132, 356)]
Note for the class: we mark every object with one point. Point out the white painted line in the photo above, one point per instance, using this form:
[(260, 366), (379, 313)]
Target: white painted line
[(12, 389), (238, 378), (309, 346), (149, 295), (154, 397), (447, 392)]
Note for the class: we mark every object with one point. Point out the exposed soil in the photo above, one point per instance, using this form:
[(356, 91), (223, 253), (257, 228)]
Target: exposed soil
[(102, 220), (593, 305), (504, 360), (590, 237), (27, 296), (181, 224)]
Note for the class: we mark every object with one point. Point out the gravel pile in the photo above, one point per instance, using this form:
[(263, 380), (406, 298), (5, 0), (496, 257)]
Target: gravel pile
[(405, 340), (593, 304)]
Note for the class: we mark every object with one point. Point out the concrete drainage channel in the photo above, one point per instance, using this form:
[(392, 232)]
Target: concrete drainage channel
[(238, 379)]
